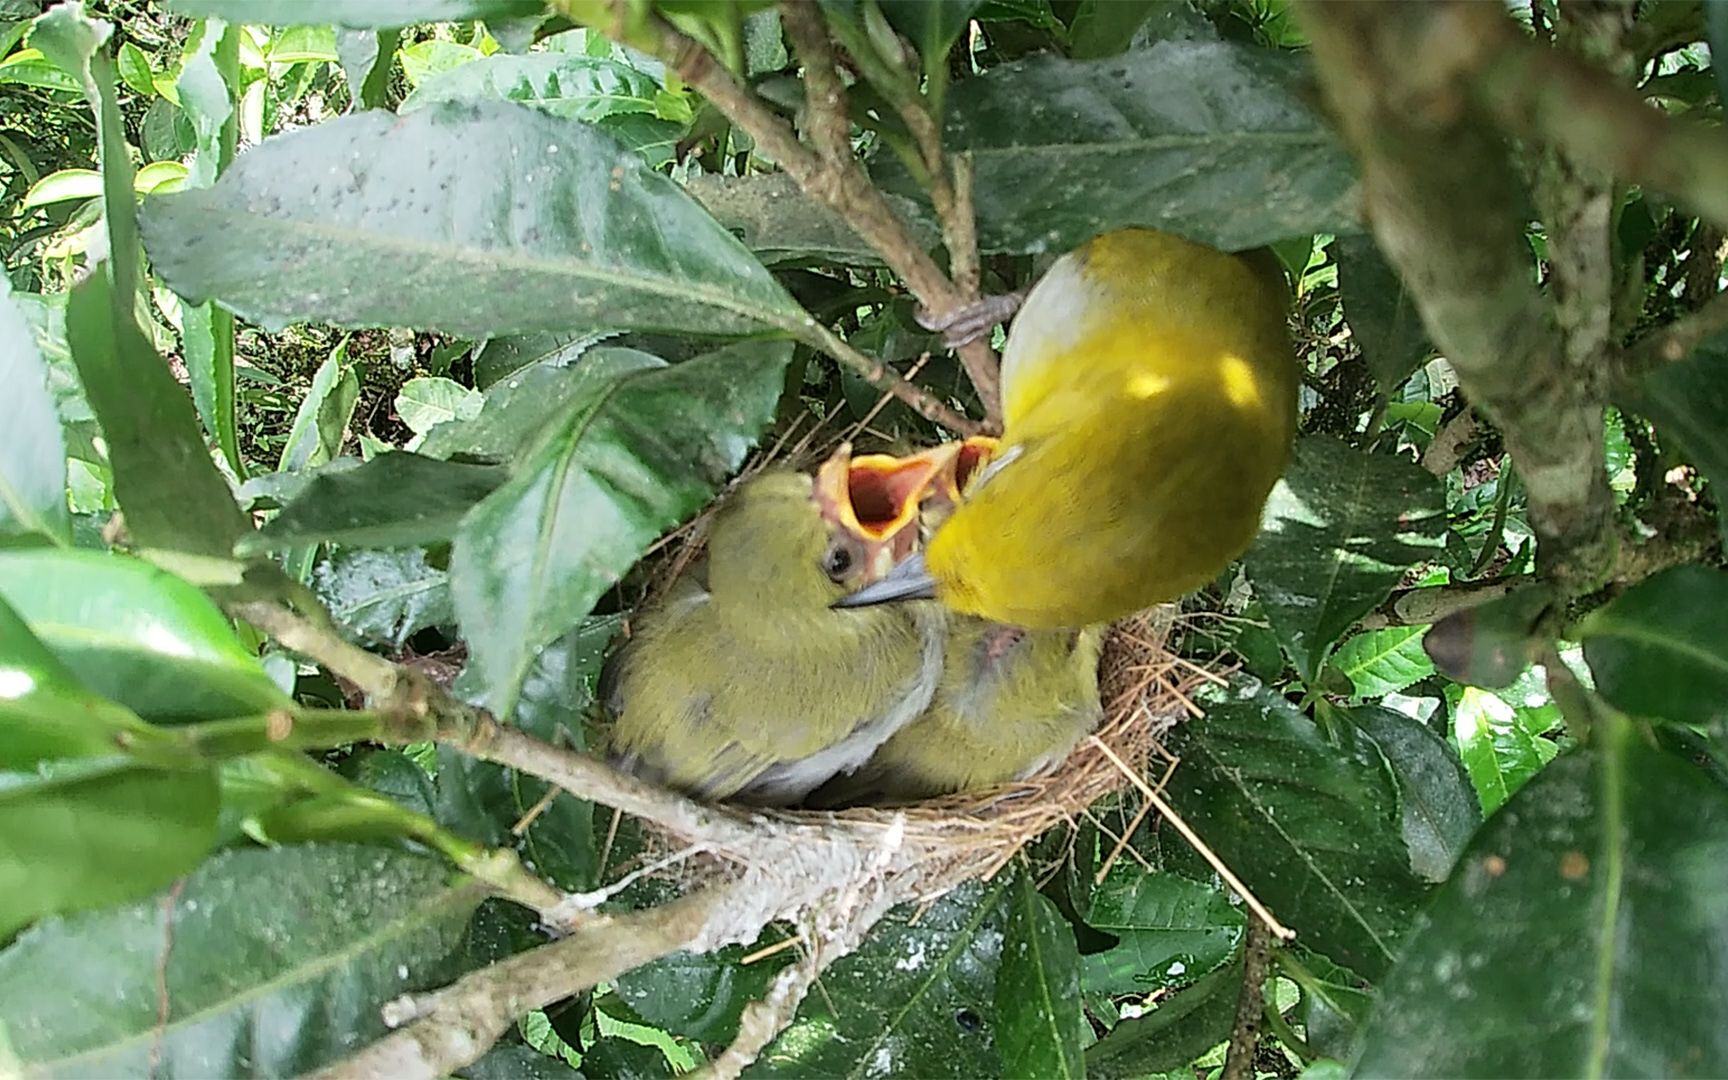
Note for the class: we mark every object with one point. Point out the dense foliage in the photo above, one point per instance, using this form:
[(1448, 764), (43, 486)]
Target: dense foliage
[(430, 318)]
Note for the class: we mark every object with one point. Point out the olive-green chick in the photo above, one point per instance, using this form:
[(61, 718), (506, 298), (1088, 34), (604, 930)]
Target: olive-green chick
[(752, 688)]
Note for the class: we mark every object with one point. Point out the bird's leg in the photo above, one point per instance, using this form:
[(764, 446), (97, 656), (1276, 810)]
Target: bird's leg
[(968, 323)]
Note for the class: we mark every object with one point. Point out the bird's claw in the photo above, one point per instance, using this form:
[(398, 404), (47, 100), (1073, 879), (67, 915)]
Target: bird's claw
[(965, 324)]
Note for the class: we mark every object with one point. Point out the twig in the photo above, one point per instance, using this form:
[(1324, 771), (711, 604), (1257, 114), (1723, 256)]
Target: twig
[(1675, 342), (1447, 448), (881, 376), (1418, 607), (763, 1020), (1169, 814), (452, 1028), (1250, 1005), (373, 674), (1396, 76)]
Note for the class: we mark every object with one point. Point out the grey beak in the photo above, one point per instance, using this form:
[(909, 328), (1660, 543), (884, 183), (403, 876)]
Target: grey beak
[(907, 581)]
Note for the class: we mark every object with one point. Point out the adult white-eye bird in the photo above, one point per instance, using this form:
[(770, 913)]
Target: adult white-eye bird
[(752, 687), (1148, 402)]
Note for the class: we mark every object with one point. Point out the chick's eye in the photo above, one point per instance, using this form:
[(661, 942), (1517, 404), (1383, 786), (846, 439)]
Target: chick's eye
[(836, 562)]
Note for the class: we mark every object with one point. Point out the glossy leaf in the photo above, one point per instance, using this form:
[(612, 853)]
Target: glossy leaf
[(1339, 531), (136, 634), (1182, 1027), (700, 995), (362, 15), (602, 484), (32, 449), (1211, 140), (88, 834), (916, 999), (384, 597), (569, 85), (423, 403), (321, 422), (1382, 315), (1170, 931), (1439, 806), (395, 500), (776, 220), (164, 479), (577, 232), (1039, 1020), (1602, 880), (1381, 662), (45, 712), (502, 357), (1661, 648), (279, 961), (1497, 751), (1313, 828)]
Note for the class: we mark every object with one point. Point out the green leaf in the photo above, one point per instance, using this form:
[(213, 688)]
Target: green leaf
[(297, 44), (367, 58), (134, 68), (931, 25), (257, 936), (699, 995), (1577, 937), (1661, 649), (164, 479), (602, 484), (502, 357), (1038, 1016), (1103, 28), (362, 15), (321, 423), (1170, 931), (1434, 794), (1498, 752), (92, 833), (576, 232), (45, 712), (1339, 531), (1382, 315), (425, 402), (1210, 140), (32, 449), (397, 499), (28, 67), (1686, 401), (776, 220), (518, 1061), (569, 85), (915, 999), (63, 186), (1182, 1027), (1381, 662), (1312, 827), (136, 634), (384, 597)]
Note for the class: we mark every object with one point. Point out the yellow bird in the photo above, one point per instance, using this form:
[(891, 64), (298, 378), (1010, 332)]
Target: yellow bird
[(748, 685), (1149, 402), (1011, 702)]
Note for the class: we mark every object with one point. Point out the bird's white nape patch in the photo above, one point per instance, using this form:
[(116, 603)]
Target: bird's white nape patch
[(1052, 321)]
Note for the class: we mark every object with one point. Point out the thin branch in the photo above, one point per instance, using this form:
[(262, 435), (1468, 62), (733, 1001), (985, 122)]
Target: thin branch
[(879, 375), (452, 1028), (1446, 449), (1418, 607), (1675, 342), (1444, 204), (1250, 1005), (763, 1020)]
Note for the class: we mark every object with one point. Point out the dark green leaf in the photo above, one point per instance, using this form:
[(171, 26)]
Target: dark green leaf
[(45, 712), (1577, 937), (267, 962), (781, 224), (1686, 401), (617, 1058), (163, 477), (358, 14), (505, 356), (384, 597), (602, 484), (393, 774), (1380, 662), (395, 500), (1489, 644), (914, 1000), (1103, 28), (366, 58), (575, 232), (699, 995), (1661, 649), (1313, 828), (92, 833), (931, 25), (134, 69), (32, 450), (136, 634), (1498, 752), (1182, 1027), (1439, 806), (1382, 315), (321, 422), (569, 85), (1339, 531), (1038, 1016), (518, 1061), (1206, 139), (1170, 930)]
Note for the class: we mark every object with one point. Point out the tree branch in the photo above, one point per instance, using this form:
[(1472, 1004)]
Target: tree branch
[(1444, 206), (1250, 1005), (452, 1028)]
